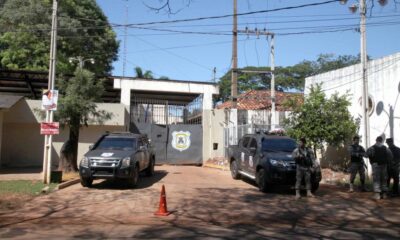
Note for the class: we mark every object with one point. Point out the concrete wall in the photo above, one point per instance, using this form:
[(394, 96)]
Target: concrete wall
[(383, 86), (214, 122), (22, 144)]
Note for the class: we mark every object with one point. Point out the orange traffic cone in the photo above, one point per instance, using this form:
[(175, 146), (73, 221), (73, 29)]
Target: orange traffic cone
[(162, 209)]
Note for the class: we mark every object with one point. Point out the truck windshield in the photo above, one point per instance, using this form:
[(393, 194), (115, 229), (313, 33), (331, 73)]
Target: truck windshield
[(278, 145), (109, 143)]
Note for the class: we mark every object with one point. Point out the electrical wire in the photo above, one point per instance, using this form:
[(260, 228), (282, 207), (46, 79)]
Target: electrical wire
[(239, 14)]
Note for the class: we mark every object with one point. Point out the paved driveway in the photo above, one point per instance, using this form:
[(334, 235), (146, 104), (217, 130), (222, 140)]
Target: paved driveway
[(206, 204)]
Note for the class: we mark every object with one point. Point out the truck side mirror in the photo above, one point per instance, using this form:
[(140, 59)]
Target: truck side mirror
[(91, 146)]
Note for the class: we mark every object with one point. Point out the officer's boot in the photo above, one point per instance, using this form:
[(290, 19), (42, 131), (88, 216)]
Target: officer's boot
[(384, 195), (363, 188), (298, 196), (309, 194), (351, 189), (377, 196)]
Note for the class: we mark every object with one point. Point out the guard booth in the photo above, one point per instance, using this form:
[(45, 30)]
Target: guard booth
[(171, 114)]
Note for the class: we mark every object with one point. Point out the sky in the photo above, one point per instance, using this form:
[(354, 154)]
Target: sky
[(166, 51)]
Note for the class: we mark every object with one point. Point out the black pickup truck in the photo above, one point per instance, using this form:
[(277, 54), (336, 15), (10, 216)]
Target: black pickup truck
[(117, 156), (268, 160)]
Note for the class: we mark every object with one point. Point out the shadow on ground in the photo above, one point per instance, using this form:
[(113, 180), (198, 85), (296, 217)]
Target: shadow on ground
[(144, 182)]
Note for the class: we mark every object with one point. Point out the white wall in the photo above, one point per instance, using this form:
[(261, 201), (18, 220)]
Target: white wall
[(214, 122), (22, 144), (383, 86)]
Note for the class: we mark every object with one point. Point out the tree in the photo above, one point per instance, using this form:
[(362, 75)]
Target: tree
[(322, 120), (286, 78), (147, 74), (83, 30), (77, 106)]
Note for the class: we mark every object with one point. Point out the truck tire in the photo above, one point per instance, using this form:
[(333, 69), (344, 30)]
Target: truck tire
[(261, 180), (314, 186), (150, 168), (86, 182), (134, 179), (235, 169)]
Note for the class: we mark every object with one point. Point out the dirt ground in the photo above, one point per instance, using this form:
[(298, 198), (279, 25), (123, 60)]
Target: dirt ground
[(206, 204)]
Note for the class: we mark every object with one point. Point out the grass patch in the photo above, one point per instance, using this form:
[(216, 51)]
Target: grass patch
[(15, 193), (23, 187)]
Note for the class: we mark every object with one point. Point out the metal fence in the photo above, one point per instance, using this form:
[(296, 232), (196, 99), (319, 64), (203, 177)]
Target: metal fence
[(234, 133), (156, 111)]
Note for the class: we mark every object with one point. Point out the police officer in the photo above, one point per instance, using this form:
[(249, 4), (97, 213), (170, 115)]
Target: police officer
[(357, 153), (393, 167), (379, 155), (304, 158)]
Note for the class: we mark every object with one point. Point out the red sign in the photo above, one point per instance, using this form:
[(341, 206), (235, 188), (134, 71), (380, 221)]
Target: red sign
[(49, 128)]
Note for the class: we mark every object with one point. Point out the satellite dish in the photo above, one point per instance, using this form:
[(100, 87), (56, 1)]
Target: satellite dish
[(379, 108)]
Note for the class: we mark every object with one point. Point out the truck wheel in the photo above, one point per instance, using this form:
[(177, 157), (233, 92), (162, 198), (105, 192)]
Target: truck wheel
[(150, 168), (86, 182), (314, 187), (235, 170), (261, 180), (132, 182)]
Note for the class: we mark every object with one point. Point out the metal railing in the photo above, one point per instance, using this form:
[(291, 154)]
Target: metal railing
[(156, 111)]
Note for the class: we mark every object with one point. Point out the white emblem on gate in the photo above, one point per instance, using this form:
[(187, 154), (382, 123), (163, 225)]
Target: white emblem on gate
[(181, 140)]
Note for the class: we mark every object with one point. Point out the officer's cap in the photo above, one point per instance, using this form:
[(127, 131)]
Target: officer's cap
[(379, 139), (389, 140)]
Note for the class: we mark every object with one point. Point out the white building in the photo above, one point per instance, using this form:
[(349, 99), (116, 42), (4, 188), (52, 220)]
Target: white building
[(383, 88)]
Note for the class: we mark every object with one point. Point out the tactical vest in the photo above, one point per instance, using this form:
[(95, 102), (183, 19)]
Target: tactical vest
[(304, 161), (380, 155), (354, 158)]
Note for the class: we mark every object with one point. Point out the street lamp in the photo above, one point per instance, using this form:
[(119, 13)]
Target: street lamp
[(81, 60)]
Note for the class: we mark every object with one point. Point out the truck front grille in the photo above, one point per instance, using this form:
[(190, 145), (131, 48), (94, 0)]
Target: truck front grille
[(96, 162)]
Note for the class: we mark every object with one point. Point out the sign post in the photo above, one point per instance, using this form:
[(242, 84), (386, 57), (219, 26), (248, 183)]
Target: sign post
[(49, 113), (49, 128)]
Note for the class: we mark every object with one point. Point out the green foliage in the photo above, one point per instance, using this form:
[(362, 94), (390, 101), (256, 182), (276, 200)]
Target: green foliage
[(77, 102), (290, 77), (322, 120), (147, 74), (83, 30)]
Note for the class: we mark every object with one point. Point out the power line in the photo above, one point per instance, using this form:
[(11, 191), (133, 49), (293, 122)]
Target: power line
[(239, 14), (176, 55)]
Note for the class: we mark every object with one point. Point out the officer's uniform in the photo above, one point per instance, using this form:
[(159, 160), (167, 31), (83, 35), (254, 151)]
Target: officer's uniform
[(304, 158), (393, 167), (357, 153), (379, 155)]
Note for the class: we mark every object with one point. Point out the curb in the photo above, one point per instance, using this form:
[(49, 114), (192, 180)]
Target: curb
[(210, 165), (68, 183)]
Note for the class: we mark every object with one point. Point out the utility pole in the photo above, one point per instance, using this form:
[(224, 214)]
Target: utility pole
[(214, 74), (272, 56), (273, 109), (48, 140), (234, 58), (365, 97), (125, 39)]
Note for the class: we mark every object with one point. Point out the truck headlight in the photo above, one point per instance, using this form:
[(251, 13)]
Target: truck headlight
[(279, 163), (85, 162), (126, 162)]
